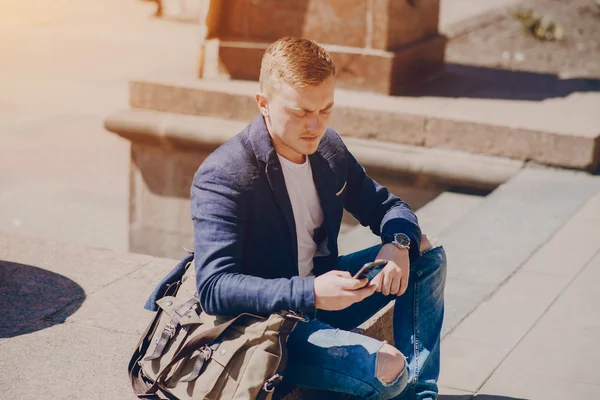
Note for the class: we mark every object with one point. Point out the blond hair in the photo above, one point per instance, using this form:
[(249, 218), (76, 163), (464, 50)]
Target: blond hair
[(295, 61)]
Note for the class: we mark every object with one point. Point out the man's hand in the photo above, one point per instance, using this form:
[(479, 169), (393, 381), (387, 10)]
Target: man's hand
[(337, 290), (393, 278)]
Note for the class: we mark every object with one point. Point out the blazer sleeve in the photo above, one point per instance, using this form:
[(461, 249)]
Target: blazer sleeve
[(219, 217), (374, 206)]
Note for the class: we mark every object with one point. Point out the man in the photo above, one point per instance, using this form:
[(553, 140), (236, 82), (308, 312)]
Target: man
[(267, 209)]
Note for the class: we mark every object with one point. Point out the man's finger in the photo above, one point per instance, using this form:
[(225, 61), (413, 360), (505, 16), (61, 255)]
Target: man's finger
[(350, 283), (395, 288), (343, 274), (377, 282), (387, 284), (403, 286)]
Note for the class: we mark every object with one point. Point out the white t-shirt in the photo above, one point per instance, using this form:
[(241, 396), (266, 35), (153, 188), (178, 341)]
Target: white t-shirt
[(308, 214)]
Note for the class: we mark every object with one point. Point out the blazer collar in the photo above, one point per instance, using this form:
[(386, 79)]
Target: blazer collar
[(261, 140)]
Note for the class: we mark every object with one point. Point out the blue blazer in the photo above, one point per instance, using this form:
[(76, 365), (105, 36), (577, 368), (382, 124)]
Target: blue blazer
[(246, 254)]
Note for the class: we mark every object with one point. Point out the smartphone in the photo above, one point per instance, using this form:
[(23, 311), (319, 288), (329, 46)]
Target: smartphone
[(370, 270)]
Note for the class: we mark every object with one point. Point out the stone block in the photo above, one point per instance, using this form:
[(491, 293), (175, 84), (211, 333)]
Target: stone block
[(398, 23), (380, 71), (378, 24), (567, 150), (182, 99)]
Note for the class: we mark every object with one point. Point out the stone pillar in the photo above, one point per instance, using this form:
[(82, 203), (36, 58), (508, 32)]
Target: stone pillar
[(383, 46)]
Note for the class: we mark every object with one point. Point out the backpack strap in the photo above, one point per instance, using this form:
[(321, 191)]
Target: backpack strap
[(287, 326), (194, 344), (171, 328)]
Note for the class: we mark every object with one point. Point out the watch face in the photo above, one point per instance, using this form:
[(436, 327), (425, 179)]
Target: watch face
[(402, 240)]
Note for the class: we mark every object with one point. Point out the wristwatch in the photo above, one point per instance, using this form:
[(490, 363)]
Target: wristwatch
[(400, 240)]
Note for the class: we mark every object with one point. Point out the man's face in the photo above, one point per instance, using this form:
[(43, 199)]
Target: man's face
[(297, 117)]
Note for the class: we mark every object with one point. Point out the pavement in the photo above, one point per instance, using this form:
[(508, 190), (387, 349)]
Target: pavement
[(64, 67), (521, 299), (71, 296)]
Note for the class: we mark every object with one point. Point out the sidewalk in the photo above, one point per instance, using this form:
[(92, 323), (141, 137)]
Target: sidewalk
[(536, 337), (79, 313)]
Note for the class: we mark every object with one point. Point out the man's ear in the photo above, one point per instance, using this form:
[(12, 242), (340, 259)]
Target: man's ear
[(262, 102)]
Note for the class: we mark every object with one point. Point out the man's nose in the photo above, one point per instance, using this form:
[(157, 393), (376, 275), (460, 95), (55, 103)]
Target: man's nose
[(313, 124)]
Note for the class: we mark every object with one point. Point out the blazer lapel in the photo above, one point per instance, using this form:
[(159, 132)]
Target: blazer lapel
[(277, 182), (265, 152), (324, 179)]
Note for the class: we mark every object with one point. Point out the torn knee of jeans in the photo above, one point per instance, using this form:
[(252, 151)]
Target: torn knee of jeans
[(390, 364)]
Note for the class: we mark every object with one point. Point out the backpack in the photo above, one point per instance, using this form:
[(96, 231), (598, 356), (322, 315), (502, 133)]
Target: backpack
[(187, 354)]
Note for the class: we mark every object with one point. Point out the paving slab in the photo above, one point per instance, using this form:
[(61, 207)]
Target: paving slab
[(505, 319), (43, 282), (529, 319), (577, 308), (489, 244), (67, 361), (118, 307), (466, 364), (453, 394), (578, 241), (61, 176), (92, 268), (442, 212), (542, 351), (520, 385)]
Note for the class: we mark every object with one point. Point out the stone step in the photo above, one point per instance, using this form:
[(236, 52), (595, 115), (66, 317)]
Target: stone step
[(390, 162), (488, 239), (560, 132), (434, 218)]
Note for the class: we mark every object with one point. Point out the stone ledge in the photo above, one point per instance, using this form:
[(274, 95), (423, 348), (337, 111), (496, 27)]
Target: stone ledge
[(435, 166), (518, 130)]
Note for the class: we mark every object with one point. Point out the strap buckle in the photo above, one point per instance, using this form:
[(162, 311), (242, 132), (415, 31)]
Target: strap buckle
[(272, 382), (296, 315), (170, 329)]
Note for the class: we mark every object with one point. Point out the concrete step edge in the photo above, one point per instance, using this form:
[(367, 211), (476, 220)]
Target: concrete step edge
[(448, 168)]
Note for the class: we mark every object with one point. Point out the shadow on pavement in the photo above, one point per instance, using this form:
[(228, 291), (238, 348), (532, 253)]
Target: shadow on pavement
[(491, 83), (30, 296)]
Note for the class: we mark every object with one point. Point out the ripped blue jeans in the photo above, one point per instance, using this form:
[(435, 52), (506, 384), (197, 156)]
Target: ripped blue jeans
[(324, 354)]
